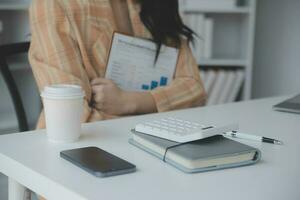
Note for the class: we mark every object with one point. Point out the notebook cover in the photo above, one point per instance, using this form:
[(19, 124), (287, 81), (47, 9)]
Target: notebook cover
[(213, 147), (290, 105)]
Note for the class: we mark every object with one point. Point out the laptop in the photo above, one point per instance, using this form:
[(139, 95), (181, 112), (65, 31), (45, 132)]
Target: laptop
[(290, 105)]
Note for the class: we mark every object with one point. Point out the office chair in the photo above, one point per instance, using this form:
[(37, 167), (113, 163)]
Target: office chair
[(5, 52)]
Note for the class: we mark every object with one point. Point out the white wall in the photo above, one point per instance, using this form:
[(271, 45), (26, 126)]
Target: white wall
[(277, 50)]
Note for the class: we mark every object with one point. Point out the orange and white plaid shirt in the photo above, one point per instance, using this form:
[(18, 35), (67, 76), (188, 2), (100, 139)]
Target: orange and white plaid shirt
[(70, 44)]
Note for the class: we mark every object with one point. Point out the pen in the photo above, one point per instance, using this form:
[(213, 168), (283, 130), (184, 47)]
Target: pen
[(236, 134)]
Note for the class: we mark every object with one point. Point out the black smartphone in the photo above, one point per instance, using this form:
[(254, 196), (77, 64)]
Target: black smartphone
[(98, 162)]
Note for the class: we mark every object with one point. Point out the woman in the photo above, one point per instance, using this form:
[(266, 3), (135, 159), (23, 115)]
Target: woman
[(70, 44)]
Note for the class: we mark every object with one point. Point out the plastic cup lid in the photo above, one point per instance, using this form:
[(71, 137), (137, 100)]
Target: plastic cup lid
[(63, 92)]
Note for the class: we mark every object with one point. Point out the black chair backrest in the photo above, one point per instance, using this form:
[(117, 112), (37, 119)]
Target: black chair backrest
[(5, 52)]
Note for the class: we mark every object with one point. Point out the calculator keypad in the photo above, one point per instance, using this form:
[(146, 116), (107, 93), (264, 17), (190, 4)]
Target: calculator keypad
[(179, 130), (174, 126)]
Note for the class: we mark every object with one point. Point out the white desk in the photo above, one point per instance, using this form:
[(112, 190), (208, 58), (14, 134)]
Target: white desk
[(30, 160)]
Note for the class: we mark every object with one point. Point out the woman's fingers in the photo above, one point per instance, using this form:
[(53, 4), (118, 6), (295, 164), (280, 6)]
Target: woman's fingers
[(98, 100), (97, 89), (98, 96)]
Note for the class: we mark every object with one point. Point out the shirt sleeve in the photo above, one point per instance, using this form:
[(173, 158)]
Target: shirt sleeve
[(186, 90), (55, 55)]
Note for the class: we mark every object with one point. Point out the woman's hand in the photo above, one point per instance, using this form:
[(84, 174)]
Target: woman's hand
[(109, 98)]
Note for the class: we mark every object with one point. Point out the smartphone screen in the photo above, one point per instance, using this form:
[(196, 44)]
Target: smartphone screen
[(98, 162)]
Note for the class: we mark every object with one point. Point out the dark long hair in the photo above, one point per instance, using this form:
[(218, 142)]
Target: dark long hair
[(162, 19)]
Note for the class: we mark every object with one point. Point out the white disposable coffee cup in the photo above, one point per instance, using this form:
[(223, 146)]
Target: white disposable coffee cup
[(63, 107)]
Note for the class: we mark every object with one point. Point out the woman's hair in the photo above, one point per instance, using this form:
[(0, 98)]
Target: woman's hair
[(162, 19)]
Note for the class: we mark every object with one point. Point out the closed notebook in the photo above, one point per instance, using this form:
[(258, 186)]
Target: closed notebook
[(290, 105), (212, 153)]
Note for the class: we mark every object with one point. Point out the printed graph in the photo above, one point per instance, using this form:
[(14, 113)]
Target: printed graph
[(154, 84)]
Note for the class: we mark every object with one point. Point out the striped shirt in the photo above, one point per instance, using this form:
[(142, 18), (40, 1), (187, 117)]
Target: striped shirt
[(70, 44)]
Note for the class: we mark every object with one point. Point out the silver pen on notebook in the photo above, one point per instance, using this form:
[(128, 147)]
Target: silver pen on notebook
[(236, 134)]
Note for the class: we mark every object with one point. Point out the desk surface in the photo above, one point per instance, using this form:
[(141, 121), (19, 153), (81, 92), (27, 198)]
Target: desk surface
[(32, 161)]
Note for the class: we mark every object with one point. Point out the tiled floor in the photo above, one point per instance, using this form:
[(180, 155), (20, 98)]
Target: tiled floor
[(3, 187)]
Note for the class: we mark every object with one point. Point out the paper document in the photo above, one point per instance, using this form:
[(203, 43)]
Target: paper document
[(131, 63)]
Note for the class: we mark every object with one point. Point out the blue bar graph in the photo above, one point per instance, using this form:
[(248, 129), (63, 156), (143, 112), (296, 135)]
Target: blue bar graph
[(154, 84), (163, 81), (145, 87)]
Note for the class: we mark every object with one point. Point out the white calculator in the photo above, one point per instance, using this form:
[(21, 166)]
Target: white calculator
[(180, 130)]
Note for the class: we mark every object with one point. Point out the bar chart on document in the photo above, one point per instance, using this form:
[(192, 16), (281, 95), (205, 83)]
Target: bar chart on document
[(154, 84), (132, 64)]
